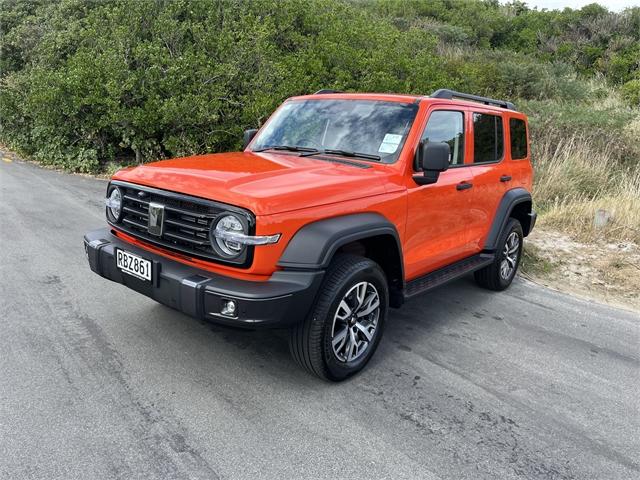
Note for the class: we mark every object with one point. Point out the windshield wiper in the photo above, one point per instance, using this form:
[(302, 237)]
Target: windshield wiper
[(308, 151), (290, 148), (344, 153)]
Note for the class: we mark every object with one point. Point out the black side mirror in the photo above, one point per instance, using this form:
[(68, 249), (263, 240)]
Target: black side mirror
[(248, 136), (433, 158)]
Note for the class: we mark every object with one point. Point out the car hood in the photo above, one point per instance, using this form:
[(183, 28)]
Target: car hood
[(265, 183)]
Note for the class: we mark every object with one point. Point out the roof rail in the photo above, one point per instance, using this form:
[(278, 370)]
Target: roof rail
[(326, 90), (450, 94)]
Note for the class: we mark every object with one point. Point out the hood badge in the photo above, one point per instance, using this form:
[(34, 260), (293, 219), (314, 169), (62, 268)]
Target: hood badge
[(155, 224)]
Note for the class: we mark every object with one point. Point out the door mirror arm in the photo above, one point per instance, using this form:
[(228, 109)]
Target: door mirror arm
[(433, 157)]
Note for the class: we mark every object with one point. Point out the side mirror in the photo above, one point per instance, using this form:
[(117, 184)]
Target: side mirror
[(248, 136), (433, 158)]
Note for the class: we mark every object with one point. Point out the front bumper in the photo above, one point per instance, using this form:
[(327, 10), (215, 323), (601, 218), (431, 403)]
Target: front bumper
[(281, 301)]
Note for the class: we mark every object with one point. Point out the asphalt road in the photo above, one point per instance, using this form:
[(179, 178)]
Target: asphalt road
[(97, 381)]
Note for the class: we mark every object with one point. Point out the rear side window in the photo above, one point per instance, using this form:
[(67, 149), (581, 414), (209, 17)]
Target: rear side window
[(447, 126), (518, 130), (488, 138)]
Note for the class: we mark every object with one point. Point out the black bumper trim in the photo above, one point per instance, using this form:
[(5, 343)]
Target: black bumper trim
[(281, 301)]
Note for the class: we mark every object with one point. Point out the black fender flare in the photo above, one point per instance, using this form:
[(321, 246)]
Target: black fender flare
[(313, 246), (509, 201)]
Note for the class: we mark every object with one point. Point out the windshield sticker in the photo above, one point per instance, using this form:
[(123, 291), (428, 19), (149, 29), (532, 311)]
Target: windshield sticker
[(390, 143)]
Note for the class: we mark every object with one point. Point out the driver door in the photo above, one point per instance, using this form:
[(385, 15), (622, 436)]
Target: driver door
[(438, 214)]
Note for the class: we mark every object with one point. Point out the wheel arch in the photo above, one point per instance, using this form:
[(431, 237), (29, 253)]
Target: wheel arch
[(368, 234), (516, 203)]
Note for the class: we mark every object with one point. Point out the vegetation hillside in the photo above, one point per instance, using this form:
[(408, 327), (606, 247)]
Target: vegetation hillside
[(89, 85)]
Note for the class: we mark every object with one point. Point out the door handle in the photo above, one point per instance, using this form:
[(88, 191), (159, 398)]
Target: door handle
[(505, 178), (464, 186)]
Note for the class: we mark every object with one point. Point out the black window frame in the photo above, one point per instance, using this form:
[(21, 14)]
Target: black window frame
[(501, 158), (464, 137), (526, 138)]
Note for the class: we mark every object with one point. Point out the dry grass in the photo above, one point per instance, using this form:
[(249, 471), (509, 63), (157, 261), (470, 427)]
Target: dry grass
[(576, 217), (579, 174)]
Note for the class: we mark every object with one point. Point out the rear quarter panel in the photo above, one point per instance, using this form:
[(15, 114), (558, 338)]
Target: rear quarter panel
[(522, 168)]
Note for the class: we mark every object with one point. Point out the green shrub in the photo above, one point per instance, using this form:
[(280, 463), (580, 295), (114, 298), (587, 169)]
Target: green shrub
[(630, 91), (151, 79), (84, 83)]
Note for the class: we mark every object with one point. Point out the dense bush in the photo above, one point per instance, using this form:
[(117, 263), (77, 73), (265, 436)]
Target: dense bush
[(84, 83), (90, 81), (592, 39), (631, 92)]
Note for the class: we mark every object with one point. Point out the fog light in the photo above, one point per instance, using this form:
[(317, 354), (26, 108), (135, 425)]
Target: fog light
[(228, 308)]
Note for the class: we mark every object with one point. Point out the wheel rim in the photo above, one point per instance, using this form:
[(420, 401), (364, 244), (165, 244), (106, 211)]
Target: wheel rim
[(355, 322), (510, 256)]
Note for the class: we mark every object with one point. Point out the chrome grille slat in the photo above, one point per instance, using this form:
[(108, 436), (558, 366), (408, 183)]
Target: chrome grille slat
[(188, 213), (135, 199), (134, 223), (184, 238), (186, 222), (178, 247), (136, 211), (178, 210), (185, 225)]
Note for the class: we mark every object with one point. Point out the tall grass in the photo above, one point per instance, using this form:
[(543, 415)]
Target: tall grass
[(582, 170)]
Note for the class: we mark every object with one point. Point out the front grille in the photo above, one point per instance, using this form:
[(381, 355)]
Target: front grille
[(187, 221)]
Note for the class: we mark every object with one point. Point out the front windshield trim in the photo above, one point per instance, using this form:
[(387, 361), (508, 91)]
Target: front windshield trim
[(384, 159)]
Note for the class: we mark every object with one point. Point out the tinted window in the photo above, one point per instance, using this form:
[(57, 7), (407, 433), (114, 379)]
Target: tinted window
[(363, 126), (488, 142), (518, 131), (448, 127)]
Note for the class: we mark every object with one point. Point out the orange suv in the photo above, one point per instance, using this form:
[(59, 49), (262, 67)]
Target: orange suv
[(340, 206)]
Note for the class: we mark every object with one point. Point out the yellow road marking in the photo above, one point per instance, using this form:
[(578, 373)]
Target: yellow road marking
[(7, 159)]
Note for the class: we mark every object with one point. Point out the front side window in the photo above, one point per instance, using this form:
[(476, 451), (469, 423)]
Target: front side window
[(447, 126), (370, 127), (518, 130), (488, 138)]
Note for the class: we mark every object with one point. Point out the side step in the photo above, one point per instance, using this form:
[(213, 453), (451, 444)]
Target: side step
[(447, 274)]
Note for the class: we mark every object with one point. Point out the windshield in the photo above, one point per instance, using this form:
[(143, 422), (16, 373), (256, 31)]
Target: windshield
[(373, 129)]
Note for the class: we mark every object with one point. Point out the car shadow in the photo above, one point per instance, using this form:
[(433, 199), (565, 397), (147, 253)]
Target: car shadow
[(260, 351), (419, 322), (433, 318)]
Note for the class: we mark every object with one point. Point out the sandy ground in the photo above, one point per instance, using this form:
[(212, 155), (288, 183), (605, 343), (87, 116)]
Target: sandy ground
[(602, 271)]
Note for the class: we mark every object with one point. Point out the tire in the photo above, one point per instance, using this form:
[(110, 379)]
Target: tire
[(493, 276), (312, 341)]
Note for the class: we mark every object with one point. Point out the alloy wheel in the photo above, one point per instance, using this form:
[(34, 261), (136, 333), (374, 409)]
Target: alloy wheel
[(355, 322), (510, 256)]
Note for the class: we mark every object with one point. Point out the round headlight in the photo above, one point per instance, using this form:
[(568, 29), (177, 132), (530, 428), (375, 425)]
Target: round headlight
[(114, 204), (222, 233)]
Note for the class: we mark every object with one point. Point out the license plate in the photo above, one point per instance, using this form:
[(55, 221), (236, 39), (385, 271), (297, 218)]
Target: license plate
[(133, 265)]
